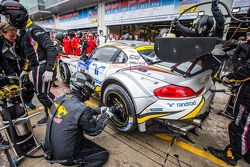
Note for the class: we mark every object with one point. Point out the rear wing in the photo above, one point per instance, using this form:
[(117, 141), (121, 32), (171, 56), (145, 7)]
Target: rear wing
[(180, 50)]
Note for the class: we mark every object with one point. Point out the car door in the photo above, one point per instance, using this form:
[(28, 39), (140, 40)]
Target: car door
[(99, 62)]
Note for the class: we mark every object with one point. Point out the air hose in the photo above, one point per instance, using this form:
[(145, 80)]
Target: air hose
[(222, 3)]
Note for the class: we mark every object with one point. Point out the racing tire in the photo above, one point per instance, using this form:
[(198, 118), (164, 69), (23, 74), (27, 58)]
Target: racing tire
[(64, 72), (125, 118)]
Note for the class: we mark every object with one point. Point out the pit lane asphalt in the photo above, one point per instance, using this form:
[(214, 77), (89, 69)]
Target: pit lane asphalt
[(148, 150)]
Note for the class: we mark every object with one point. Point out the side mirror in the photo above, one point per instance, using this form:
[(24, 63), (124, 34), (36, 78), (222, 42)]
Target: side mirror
[(84, 57)]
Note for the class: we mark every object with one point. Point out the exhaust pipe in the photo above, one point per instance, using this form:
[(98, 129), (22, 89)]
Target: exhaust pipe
[(186, 129), (196, 122)]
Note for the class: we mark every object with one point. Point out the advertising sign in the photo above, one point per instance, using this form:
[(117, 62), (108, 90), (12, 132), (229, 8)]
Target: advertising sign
[(243, 4), (46, 23), (141, 11), (84, 18)]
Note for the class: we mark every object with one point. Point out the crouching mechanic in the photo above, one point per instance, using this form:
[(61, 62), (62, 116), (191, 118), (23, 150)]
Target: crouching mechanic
[(69, 119), (39, 50), (239, 128)]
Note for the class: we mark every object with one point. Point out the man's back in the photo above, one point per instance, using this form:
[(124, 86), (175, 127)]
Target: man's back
[(64, 128)]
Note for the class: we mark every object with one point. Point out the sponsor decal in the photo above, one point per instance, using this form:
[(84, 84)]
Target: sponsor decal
[(134, 57), (97, 69), (117, 66), (156, 109), (182, 104), (136, 62), (155, 82), (57, 120)]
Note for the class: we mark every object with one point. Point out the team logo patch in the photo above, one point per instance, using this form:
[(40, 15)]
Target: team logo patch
[(57, 120)]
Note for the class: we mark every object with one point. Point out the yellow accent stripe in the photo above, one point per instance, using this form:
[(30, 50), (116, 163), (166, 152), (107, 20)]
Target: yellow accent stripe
[(193, 113), (160, 68), (143, 119), (97, 89), (235, 80), (147, 47), (194, 150), (36, 45), (29, 22), (90, 103), (30, 112), (54, 66)]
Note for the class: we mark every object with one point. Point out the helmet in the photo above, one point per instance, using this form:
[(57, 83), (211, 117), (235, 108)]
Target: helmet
[(204, 25), (164, 32), (59, 37), (82, 84), (16, 14)]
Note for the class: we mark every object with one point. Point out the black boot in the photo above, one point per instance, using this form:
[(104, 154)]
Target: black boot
[(221, 154), (43, 121)]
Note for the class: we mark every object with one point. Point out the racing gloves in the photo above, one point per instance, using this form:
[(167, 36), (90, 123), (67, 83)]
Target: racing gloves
[(110, 111), (47, 76), (24, 73)]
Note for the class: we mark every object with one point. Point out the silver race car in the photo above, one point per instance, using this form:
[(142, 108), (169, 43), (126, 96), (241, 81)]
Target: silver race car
[(151, 95)]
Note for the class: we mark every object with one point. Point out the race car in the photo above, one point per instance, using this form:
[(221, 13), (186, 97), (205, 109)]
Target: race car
[(70, 64), (151, 95)]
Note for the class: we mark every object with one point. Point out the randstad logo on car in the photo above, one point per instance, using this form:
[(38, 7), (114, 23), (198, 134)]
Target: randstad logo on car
[(186, 104), (182, 104)]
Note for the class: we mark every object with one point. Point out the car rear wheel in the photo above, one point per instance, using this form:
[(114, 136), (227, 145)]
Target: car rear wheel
[(125, 118), (64, 72)]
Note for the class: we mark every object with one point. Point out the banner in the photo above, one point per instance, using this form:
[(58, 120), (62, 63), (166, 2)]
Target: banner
[(142, 11), (84, 18), (46, 23)]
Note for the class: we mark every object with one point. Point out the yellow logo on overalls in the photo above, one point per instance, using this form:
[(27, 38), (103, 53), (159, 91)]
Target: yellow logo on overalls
[(61, 111)]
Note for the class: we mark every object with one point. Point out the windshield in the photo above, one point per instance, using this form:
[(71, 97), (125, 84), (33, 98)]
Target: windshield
[(149, 55)]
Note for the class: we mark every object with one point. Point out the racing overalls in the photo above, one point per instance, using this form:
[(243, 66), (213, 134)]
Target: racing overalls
[(12, 57), (217, 32), (240, 54), (68, 120), (75, 43), (91, 45), (11, 61), (239, 128), (41, 54), (67, 45)]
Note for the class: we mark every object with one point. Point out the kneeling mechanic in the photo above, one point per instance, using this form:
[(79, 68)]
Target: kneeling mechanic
[(69, 119)]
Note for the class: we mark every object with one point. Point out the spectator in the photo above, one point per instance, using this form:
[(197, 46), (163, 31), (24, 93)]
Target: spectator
[(84, 43), (76, 43), (101, 39), (110, 38), (91, 43), (136, 38), (67, 44)]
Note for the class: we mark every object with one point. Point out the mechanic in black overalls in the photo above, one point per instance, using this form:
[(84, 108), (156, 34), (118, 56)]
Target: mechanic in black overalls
[(69, 120), (203, 27), (58, 43), (39, 49), (12, 62), (239, 128)]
